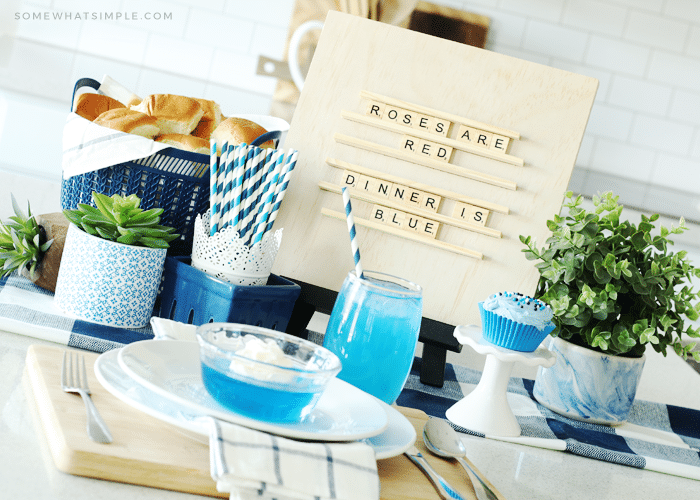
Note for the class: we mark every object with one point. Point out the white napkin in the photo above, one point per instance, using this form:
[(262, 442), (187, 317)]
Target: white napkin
[(255, 465), (172, 330), (88, 147)]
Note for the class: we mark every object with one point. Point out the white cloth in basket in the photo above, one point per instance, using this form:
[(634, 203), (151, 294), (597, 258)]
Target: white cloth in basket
[(88, 147)]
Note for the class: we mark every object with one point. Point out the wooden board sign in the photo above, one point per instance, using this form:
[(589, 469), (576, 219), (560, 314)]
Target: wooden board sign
[(450, 152)]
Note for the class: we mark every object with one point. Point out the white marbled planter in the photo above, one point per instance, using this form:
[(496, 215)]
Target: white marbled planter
[(107, 282), (587, 385)]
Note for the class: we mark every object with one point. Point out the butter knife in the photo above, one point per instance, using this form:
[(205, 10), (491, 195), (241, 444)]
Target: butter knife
[(443, 487)]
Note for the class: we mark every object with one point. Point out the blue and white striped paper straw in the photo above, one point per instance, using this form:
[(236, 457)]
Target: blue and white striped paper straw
[(228, 182), (353, 236), (282, 188), (260, 162), (218, 201), (213, 174), (239, 176), (269, 194)]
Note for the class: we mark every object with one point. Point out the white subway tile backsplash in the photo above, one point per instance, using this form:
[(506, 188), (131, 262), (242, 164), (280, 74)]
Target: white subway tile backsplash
[(635, 93), (553, 40), (269, 41), (161, 82), (659, 32), (238, 71), (676, 172), (623, 160), (693, 47), (683, 9), (607, 121), (112, 41), (617, 55), (271, 12), (585, 152), (676, 70), (504, 28), (596, 16), (157, 16), (38, 70), (233, 101), (213, 5), (62, 34), (650, 5), (220, 31), (661, 134), (549, 10), (178, 56), (685, 106)]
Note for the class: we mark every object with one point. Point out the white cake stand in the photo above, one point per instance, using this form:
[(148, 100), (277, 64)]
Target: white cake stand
[(486, 409)]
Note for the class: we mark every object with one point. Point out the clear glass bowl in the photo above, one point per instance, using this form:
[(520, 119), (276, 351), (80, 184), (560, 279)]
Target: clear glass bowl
[(264, 374)]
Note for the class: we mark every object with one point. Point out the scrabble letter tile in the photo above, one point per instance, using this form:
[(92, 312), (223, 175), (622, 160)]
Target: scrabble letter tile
[(409, 143), (367, 183), (441, 152), (350, 178), (391, 113), (378, 213), (500, 143), (426, 148), (413, 223), (440, 127), (395, 218), (399, 193), (375, 109), (483, 139), (424, 122), (414, 197), (429, 228), (408, 118), (431, 202), (384, 188)]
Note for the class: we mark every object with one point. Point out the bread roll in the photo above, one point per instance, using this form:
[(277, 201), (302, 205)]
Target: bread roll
[(175, 114), (90, 106), (237, 131), (186, 142), (129, 121), (210, 119)]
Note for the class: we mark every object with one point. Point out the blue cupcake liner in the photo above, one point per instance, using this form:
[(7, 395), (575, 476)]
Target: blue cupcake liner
[(510, 334)]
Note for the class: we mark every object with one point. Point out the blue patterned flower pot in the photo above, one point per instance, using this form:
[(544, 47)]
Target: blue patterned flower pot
[(107, 282), (587, 385)]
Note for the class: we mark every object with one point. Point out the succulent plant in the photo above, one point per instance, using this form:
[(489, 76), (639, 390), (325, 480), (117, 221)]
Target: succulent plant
[(23, 242), (119, 218)]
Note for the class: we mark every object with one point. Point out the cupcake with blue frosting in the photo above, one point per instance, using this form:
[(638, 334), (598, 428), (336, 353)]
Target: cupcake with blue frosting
[(515, 321)]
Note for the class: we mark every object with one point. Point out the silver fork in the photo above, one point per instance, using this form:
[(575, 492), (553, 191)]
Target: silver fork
[(74, 379)]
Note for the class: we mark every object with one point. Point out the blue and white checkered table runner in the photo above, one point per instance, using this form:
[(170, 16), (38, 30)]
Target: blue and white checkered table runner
[(663, 438)]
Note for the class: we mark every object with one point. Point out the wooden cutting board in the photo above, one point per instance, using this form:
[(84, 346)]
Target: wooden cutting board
[(149, 452)]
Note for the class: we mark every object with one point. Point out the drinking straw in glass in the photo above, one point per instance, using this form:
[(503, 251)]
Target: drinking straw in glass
[(232, 159), (353, 235), (238, 175), (254, 184), (213, 173), (264, 213), (215, 224)]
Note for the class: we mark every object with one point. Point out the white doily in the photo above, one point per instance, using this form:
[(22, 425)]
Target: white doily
[(227, 257)]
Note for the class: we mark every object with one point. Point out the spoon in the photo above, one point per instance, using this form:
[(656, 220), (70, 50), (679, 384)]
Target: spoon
[(442, 440)]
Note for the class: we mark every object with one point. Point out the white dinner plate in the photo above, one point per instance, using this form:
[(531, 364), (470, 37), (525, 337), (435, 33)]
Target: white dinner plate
[(397, 438), (172, 369)]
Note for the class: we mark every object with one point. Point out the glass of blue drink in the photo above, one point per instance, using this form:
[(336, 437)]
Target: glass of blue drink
[(373, 329)]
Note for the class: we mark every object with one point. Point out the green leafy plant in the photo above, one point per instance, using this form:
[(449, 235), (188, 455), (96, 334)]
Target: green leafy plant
[(119, 218), (614, 286), (22, 242)]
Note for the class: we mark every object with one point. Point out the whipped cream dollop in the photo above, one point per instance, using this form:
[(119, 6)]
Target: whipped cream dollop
[(267, 351), (520, 308)]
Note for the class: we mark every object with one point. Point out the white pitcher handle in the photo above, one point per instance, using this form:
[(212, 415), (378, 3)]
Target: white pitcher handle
[(293, 55)]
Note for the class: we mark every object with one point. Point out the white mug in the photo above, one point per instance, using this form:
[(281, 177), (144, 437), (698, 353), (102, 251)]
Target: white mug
[(293, 55)]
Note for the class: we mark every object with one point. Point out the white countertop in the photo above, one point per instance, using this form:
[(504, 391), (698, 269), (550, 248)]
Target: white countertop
[(519, 472)]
